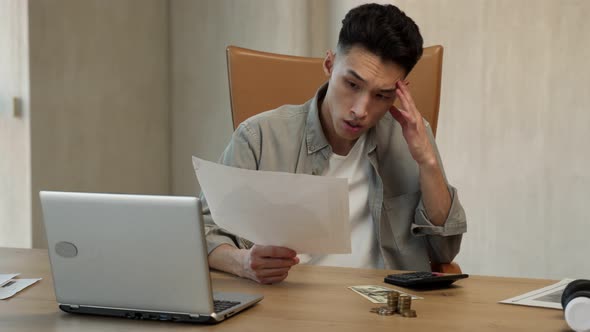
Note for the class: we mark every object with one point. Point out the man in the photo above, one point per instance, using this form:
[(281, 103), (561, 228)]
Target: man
[(403, 214)]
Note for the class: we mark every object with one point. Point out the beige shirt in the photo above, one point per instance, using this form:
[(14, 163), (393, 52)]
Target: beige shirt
[(290, 139)]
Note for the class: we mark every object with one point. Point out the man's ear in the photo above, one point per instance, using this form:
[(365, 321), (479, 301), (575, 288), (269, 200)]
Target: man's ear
[(329, 62)]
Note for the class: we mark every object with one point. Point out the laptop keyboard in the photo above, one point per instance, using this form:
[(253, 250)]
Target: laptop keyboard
[(219, 305)]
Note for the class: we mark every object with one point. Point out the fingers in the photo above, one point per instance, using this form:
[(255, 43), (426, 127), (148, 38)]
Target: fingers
[(273, 251), (273, 280), (409, 109), (404, 112), (403, 86), (272, 257), (269, 273), (265, 276), (271, 263), (398, 115), (400, 93), (270, 270)]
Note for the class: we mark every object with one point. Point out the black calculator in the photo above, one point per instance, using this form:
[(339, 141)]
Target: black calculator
[(423, 279)]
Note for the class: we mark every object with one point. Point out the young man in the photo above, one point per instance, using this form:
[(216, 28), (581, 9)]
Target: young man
[(403, 214)]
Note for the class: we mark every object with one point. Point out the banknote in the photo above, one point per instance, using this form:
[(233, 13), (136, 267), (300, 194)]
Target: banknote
[(378, 294)]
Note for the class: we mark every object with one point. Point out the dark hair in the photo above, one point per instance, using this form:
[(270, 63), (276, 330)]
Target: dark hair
[(384, 30)]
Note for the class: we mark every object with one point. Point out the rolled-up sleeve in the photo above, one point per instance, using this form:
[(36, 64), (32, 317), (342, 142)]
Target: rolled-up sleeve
[(444, 241), (455, 223)]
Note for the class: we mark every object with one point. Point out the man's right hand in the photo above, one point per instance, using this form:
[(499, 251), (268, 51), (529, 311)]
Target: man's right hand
[(263, 264), (267, 264)]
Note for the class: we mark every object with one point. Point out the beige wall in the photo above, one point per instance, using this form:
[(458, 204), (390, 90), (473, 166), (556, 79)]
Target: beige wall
[(99, 98), (15, 199), (200, 32)]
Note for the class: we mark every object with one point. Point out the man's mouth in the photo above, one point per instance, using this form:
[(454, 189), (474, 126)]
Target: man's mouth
[(353, 126)]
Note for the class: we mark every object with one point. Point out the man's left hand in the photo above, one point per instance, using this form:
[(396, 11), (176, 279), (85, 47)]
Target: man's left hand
[(413, 127)]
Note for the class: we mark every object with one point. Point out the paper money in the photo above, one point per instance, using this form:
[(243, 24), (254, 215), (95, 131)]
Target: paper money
[(378, 294)]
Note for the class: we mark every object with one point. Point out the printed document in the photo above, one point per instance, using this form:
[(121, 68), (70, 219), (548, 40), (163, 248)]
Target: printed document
[(306, 213), (546, 297)]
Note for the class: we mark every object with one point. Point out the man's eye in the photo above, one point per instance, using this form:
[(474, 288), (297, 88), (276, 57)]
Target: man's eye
[(383, 97), (352, 85)]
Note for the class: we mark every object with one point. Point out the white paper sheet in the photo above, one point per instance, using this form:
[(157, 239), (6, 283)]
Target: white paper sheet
[(306, 213), (14, 286), (546, 297), (4, 278)]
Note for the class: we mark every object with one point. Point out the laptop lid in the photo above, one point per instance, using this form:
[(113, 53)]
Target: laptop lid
[(128, 251)]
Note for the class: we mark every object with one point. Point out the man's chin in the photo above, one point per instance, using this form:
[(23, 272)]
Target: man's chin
[(351, 136)]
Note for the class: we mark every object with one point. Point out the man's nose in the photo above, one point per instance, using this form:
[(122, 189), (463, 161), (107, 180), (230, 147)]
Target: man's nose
[(361, 107)]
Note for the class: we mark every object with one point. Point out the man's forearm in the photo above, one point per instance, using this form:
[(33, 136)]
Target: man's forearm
[(435, 194), (227, 258)]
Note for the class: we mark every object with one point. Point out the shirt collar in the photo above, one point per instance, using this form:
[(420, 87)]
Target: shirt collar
[(315, 138)]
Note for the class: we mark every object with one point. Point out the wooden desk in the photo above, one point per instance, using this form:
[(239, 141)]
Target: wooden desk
[(311, 299)]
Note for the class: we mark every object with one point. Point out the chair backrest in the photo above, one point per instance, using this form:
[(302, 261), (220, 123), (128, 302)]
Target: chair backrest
[(261, 81)]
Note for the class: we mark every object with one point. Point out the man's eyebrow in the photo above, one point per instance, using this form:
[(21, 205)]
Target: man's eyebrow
[(355, 74), (391, 90), (387, 90), (358, 77)]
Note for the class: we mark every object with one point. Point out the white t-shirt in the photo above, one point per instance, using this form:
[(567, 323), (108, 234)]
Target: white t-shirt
[(365, 247)]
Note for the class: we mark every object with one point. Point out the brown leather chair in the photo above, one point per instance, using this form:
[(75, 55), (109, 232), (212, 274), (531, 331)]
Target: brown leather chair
[(261, 81)]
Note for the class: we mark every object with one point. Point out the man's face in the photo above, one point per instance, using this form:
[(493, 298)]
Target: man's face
[(361, 90)]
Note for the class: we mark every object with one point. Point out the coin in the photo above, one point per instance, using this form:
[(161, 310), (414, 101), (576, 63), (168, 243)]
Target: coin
[(404, 303), (386, 311), (409, 313), (393, 299), (393, 294)]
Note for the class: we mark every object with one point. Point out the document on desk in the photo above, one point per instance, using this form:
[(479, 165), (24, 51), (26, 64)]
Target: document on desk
[(4, 278), (306, 213), (12, 286), (546, 297)]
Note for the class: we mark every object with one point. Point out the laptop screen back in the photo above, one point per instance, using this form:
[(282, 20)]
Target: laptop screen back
[(128, 251)]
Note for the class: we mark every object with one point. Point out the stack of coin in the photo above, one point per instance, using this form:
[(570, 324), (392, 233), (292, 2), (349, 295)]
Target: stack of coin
[(404, 303), (396, 302), (393, 299), (404, 306)]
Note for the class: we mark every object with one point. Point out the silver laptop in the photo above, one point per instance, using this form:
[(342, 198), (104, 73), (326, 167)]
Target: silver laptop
[(133, 256)]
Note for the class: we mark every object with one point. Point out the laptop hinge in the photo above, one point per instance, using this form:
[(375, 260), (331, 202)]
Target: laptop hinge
[(74, 306), (195, 316)]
